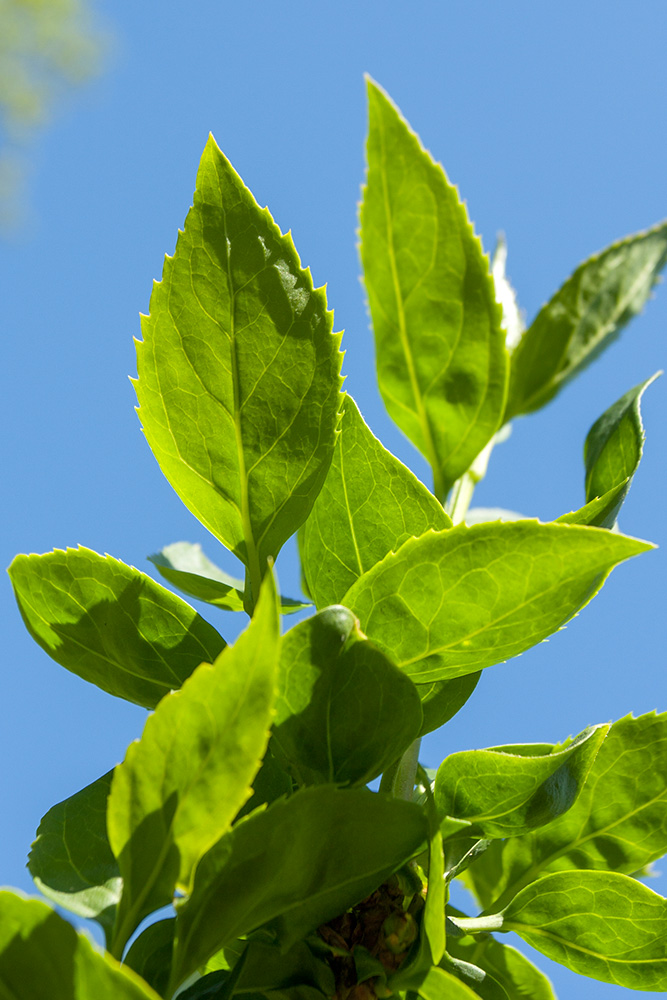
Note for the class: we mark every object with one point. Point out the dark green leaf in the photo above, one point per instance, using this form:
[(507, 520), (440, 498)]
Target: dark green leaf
[(441, 700), (299, 863), (71, 860), (618, 823), (584, 317), (270, 783), (441, 358), (239, 371), (599, 924), (111, 624), (598, 511), (452, 602), (183, 783), (186, 567), (41, 955), (507, 791), (344, 712), (369, 505), (150, 954), (614, 447), (512, 970)]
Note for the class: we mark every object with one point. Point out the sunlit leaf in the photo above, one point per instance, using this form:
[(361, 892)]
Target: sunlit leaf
[(506, 791), (71, 861), (369, 505), (186, 567), (41, 955), (111, 624), (441, 357), (452, 602), (182, 784), (599, 924), (238, 372), (584, 317), (618, 823)]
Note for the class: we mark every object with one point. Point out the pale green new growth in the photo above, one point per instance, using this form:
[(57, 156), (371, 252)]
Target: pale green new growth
[(242, 808)]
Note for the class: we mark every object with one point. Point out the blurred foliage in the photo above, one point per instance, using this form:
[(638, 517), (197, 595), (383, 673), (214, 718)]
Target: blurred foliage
[(46, 47)]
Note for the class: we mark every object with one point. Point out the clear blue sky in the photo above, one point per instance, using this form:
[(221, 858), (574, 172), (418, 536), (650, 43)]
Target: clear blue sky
[(550, 118)]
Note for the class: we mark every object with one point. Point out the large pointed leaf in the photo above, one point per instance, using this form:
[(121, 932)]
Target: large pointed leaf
[(599, 924), (183, 783), (452, 602), (186, 567), (344, 712), (583, 317), (369, 505), (239, 372), (41, 955), (618, 823), (298, 864), (506, 791), (71, 860), (441, 358), (111, 624)]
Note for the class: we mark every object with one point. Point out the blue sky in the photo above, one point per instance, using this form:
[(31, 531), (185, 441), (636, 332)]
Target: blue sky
[(550, 119)]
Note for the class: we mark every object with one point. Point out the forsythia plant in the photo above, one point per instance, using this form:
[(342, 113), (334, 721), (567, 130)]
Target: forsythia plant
[(244, 802)]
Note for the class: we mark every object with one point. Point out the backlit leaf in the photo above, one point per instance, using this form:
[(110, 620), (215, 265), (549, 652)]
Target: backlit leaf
[(519, 977), (506, 791), (599, 924), (618, 823), (239, 371), (441, 700), (186, 567), (71, 861), (41, 955), (183, 783), (614, 447), (369, 505), (584, 317), (111, 624), (452, 602), (441, 358), (344, 712)]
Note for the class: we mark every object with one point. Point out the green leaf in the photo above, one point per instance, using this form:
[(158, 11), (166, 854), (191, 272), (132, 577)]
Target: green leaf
[(452, 602), (597, 512), (599, 924), (238, 383), (267, 968), (618, 823), (42, 955), (583, 317), (438, 984), (441, 358), (512, 970), (270, 783), (183, 783), (299, 863), (186, 567), (614, 447), (369, 505), (111, 624), (71, 861), (441, 700), (507, 791), (344, 712), (150, 954)]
